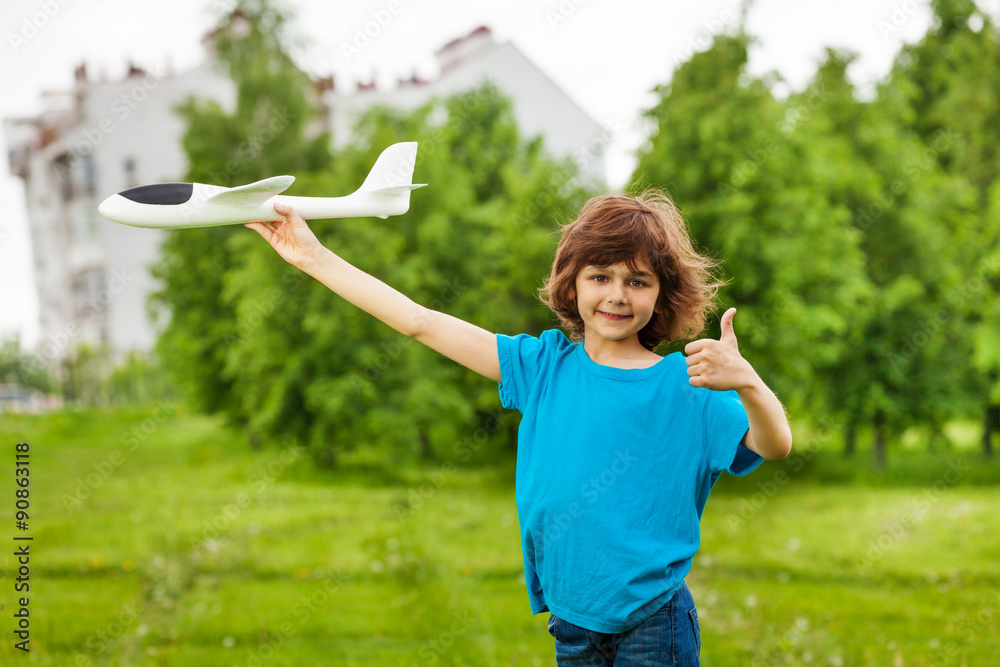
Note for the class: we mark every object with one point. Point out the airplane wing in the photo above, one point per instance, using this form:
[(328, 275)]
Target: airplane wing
[(253, 193)]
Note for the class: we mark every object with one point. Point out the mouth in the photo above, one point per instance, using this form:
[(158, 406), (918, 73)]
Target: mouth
[(612, 316)]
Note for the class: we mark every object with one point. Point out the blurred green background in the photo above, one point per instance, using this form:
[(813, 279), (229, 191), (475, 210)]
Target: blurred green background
[(287, 481)]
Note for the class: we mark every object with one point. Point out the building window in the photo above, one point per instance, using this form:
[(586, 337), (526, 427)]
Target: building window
[(83, 223), (90, 294), (74, 175), (85, 174), (130, 178), (61, 167), (81, 295)]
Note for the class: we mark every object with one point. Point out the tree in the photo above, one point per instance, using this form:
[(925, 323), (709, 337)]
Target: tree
[(475, 243), (946, 83), (750, 174), (253, 338), (901, 367), (20, 367), (267, 133)]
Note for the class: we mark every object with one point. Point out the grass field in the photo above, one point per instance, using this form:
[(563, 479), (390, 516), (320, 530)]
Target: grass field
[(160, 538)]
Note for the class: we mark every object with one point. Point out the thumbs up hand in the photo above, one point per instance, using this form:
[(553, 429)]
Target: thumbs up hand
[(717, 364)]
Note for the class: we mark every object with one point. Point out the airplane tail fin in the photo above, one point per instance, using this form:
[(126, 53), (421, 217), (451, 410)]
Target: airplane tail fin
[(392, 173), (384, 192)]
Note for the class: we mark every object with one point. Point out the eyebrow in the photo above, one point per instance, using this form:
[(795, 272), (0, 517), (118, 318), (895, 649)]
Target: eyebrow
[(630, 274)]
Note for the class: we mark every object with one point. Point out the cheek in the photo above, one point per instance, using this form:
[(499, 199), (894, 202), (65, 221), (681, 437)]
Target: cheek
[(657, 306), (654, 307)]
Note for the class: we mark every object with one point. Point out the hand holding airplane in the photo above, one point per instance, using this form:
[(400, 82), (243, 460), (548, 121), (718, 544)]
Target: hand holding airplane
[(385, 192), (291, 238)]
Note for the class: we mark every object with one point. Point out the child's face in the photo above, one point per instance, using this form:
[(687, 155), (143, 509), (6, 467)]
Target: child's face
[(615, 302)]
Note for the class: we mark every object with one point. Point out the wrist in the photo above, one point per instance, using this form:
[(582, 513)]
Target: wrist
[(312, 261), (749, 383)]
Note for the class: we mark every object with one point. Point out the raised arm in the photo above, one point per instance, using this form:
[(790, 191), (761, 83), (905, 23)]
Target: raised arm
[(469, 345)]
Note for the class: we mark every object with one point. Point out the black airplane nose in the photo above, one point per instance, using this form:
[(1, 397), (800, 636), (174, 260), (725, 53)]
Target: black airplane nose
[(160, 193)]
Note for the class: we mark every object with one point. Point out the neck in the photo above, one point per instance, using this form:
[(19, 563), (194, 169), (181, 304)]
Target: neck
[(627, 353)]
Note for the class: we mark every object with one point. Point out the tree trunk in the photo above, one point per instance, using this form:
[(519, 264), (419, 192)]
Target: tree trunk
[(69, 390), (326, 458), (991, 423), (937, 437), (850, 439), (426, 450), (256, 442), (879, 446)]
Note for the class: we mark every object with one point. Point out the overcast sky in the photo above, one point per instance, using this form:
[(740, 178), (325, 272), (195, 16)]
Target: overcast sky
[(607, 55)]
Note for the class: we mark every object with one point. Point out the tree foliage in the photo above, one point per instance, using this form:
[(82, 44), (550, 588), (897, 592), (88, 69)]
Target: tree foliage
[(857, 235), (475, 244), (947, 84), (275, 350), (266, 134), (745, 168), (860, 239), (20, 367)]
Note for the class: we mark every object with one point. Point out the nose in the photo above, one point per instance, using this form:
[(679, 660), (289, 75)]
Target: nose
[(616, 293)]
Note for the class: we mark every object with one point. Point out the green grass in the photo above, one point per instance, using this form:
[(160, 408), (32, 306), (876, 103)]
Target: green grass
[(160, 538)]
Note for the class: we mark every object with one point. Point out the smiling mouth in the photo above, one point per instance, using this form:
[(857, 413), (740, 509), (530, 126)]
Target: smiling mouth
[(612, 316)]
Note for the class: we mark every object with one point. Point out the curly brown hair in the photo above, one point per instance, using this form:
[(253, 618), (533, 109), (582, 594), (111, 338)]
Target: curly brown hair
[(645, 230)]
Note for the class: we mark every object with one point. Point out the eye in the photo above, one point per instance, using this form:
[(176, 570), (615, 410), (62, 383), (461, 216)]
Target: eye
[(599, 278), (635, 282)]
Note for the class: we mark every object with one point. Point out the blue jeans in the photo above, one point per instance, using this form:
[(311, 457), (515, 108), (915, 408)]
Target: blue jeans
[(669, 637)]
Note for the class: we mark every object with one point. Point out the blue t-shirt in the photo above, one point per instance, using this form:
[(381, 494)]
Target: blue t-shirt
[(613, 470)]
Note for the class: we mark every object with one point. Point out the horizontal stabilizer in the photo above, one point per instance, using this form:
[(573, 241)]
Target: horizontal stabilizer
[(397, 189)]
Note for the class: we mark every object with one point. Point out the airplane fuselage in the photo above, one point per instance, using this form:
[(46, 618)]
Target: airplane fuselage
[(385, 192)]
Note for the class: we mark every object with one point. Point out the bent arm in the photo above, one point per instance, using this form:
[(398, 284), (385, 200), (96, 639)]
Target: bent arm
[(718, 365), (473, 347), (769, 434)]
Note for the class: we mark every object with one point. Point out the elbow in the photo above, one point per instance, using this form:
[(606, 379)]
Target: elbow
[(417, 323), (772, 446), (782, 448)]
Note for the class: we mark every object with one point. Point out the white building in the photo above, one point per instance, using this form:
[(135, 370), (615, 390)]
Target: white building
[(92, 275), (103, 137), (540, 106)]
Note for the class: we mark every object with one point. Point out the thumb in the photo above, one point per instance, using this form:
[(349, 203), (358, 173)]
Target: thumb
[(728, 333)]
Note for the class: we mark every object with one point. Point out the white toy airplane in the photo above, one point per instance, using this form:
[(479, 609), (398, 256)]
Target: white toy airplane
[(385, 192)]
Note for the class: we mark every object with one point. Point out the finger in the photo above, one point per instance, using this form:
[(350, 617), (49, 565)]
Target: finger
[(695, 346), (261, 228), (287, 212), (258, 224), (728, 333)]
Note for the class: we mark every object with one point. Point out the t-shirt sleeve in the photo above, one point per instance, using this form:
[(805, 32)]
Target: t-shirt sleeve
[(745, 461), (520, 358), (725, 423)]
